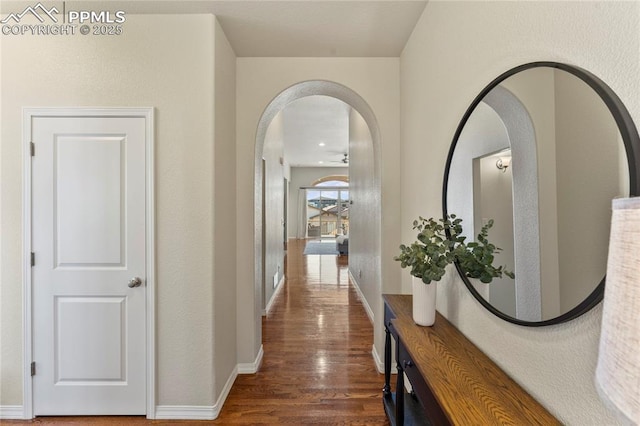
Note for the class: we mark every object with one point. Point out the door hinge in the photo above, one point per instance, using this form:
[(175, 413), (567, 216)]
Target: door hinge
[(33, 149), (33, 368), (33, 259)]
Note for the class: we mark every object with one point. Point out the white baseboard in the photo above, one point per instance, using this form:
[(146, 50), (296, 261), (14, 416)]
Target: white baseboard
[(376, 358), (225, 390), (374, 353), (273, 297), (197, 412), (364, 302), (12, 412), (187, 412), (252, 367)]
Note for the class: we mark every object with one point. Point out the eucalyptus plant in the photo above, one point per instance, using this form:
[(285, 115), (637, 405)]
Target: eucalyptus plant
[(440, 243)]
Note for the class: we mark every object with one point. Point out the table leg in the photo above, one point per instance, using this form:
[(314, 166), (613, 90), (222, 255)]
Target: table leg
[(399, 388), (386, 390)]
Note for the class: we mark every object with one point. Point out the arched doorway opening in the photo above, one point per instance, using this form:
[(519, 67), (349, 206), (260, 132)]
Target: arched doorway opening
[(327, 179), (364, 185)]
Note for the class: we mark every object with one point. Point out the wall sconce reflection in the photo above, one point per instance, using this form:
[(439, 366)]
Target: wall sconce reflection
[(503, 163)]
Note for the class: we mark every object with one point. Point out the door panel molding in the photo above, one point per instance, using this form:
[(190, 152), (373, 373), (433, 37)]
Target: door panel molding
[(28, 114)]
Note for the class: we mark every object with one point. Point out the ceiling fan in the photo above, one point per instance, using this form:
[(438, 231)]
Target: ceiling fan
[(344, 160)]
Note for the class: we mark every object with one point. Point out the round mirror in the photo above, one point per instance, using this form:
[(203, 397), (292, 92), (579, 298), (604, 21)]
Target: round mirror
[(542, 151)]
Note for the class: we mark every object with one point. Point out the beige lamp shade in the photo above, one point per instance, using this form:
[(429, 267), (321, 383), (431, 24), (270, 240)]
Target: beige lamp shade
[(618, 369)]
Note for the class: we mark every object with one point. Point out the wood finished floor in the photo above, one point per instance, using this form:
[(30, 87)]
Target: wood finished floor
[(317, 366)]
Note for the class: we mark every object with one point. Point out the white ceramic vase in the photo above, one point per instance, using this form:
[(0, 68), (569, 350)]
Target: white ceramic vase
[(424, 302)]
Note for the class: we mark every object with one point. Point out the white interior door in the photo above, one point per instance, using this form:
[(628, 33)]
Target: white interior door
[(89, 241)]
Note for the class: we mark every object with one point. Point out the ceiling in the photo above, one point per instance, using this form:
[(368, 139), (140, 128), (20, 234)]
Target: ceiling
[(316, 132), (298, 28), (319, 28), (307, 28)]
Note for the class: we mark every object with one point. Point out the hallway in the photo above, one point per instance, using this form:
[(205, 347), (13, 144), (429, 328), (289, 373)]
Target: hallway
[(317, 366)]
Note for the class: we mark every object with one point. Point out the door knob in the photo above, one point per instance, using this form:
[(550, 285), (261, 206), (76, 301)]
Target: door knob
[(135, 282)]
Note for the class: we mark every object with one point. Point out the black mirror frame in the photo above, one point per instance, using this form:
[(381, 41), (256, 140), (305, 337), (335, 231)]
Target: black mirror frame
[(631, 140)]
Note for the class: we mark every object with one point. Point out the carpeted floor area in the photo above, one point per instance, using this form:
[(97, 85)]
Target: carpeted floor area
[(318, 247)]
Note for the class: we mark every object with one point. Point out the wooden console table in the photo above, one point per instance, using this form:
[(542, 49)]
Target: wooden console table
[(453, 381)]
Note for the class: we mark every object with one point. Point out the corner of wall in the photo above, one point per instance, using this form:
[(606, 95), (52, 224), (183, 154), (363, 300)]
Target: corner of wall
[(224, 218), (197, 412)]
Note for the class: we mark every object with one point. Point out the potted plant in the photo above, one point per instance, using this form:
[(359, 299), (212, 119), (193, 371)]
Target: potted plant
[(438, 244)]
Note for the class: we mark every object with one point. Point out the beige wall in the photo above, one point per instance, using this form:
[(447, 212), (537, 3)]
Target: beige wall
[(224, 220), (259, 80), (587, 151), (145, 66), (456, 49), (364, 233)]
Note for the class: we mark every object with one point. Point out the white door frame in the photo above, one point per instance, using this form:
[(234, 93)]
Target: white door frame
[(27, 330)]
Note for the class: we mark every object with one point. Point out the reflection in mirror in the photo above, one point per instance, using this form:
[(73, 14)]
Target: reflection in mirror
[(493, 199), (542, 155)]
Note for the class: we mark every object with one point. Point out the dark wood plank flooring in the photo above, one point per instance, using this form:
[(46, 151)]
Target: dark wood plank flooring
[(317, 366)]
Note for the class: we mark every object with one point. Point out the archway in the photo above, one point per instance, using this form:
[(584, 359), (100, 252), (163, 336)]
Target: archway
[(339, 178), (509, 115), (297, 91)]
